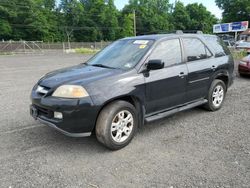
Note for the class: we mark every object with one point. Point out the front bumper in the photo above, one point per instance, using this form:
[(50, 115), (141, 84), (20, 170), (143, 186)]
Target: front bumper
[(62, 131), (79, 115)]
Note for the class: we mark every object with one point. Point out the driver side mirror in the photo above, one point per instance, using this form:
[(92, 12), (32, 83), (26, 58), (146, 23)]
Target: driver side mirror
[(155, 64)]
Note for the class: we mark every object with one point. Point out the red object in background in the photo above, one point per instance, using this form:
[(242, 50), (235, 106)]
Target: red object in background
[(244, 66)]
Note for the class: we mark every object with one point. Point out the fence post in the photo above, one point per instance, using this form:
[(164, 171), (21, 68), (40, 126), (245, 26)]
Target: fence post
[(11, 47), (24, 47)]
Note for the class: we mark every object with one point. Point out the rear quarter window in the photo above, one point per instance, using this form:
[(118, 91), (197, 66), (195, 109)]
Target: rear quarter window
[(218, 45)]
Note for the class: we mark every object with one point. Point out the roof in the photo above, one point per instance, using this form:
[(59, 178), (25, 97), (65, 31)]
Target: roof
[(151, 37), (161, 36), (247, 32)]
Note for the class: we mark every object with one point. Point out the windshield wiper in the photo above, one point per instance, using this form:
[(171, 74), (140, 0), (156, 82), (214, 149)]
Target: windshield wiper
[(103, 66)]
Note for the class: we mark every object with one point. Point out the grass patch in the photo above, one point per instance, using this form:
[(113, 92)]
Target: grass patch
[(6, 53), (238, 55), (86, 50)]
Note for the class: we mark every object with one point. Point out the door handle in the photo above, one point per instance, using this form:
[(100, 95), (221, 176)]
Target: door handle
[(182, 74), (213, 67)]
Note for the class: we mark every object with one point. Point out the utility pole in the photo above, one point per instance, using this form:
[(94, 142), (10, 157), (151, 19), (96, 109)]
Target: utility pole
[(134, 22), (236, 36), (68, 33)]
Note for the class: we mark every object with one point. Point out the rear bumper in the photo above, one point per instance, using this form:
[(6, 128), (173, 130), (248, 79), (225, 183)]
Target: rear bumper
[(244, 69)]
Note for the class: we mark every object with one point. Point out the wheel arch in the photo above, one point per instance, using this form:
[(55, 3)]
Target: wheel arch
[(135, 101), (223, 76)]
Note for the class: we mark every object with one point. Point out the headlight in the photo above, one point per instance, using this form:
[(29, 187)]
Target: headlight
[(70, 91)]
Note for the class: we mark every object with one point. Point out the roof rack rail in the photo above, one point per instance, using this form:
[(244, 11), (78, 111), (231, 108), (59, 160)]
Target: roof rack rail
[(190, 31), (179, 32), (161, 32)]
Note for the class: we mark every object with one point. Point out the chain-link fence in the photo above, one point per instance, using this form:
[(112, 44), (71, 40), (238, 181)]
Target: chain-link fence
[(15, 47)]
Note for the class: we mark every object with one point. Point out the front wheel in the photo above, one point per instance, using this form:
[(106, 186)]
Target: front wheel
[(116, 125), (216, 95)]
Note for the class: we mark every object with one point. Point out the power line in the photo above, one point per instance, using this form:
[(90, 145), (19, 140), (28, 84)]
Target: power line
[(67, 27)]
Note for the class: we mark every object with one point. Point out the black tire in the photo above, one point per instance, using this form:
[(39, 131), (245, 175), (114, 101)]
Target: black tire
[(104, 122), (210, 104)]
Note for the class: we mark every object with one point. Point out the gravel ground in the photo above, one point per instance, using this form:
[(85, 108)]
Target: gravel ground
[(195, 148)]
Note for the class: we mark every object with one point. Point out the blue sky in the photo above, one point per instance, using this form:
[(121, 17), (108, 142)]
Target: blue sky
[(210, 4)]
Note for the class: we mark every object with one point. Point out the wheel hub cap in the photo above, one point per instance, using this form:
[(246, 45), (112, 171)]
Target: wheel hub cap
[(122, 126), (218, 96)]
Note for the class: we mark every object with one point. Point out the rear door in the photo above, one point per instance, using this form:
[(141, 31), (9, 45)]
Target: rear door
[(200, 65), (166, 88)]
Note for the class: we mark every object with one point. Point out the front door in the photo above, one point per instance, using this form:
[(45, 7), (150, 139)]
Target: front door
[(166, 88)]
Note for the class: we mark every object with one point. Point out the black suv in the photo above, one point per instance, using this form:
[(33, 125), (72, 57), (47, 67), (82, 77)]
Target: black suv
[(132, 81)]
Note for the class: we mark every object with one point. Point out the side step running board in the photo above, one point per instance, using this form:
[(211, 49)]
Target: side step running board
[(173, 111)]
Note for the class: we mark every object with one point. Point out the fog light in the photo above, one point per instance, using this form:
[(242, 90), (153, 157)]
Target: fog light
[(58, 115)]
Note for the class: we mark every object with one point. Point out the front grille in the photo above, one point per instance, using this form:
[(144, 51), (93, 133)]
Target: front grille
[(44, 112)]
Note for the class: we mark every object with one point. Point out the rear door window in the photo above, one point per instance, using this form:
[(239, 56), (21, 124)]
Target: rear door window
[(195, 50)]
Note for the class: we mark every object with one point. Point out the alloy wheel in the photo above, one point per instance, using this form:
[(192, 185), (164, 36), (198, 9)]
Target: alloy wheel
[(122, 126), (218, 96)]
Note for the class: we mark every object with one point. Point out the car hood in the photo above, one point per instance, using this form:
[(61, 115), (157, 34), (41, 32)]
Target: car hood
[(79, 75)]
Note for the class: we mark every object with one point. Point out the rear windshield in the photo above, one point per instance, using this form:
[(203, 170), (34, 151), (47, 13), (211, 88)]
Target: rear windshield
[(218, 45), (122, 54)]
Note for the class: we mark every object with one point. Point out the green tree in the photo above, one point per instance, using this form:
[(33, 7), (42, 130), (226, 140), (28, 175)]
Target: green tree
[(42, 23), (49, 4), (110, 25), (151, 16), (181, 18), (201, 18), (95, 18), (73, 15), (127, 25), (6, 14), (236, 10), (29, 20)]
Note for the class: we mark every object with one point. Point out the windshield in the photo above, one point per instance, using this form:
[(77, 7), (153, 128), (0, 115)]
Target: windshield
[(122, 54)]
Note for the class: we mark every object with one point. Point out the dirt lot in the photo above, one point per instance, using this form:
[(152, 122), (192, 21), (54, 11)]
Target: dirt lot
[(190, 149)]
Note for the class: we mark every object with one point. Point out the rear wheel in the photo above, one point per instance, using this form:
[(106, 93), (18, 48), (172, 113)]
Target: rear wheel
[(216, 95), (116, 125)]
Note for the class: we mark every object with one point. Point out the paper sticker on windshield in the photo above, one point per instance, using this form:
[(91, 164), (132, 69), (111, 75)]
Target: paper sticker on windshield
[(142, 46), (141, 42)]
